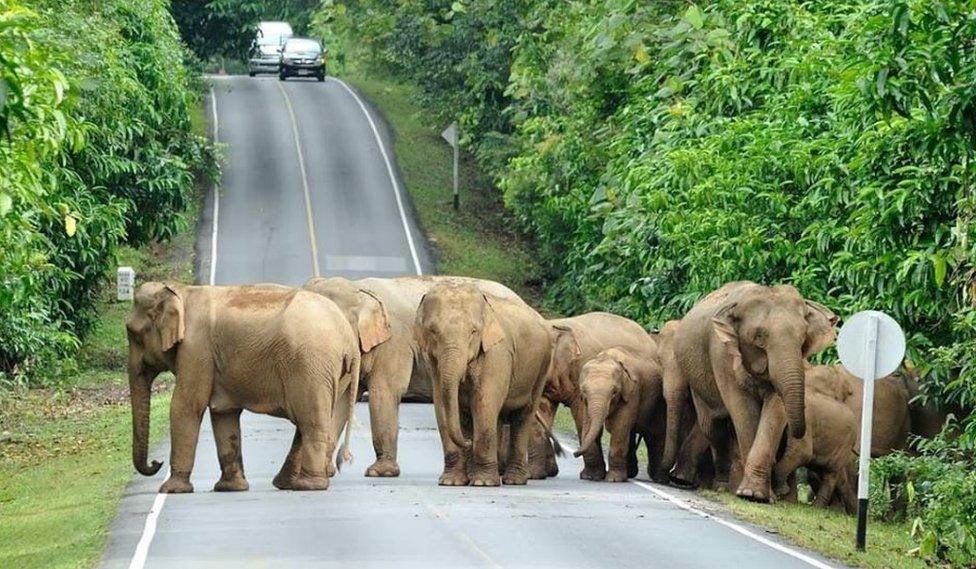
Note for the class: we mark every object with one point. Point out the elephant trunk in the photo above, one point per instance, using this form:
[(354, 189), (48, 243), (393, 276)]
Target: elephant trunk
[(787, 374), (597, 411), (452, 368), (139, 392)]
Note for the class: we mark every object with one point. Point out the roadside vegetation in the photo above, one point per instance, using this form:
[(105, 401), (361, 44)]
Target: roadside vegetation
[(655, 151)]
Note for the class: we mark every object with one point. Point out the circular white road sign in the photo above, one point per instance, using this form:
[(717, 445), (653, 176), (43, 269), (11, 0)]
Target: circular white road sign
[(853, 344)]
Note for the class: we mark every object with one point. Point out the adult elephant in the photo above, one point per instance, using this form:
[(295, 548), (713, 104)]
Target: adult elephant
[(740, 346), (576, 341), (489, 358), (272, 350), (382, 313)]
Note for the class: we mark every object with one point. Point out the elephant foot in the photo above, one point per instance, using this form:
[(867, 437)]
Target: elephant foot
[(589, 473), (383, 469), (307, 483), (486, 479), (331, 470), (282, 480), (552, 470), (536, 474), (754, 490), (176, 486), (234, 484), (614, 475), (660, 476), (782, 489), (452, 478), (515, 477)]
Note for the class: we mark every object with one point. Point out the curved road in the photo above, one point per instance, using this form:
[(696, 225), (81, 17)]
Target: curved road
[(309, 188)]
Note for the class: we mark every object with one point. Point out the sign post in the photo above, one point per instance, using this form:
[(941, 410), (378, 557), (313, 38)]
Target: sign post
[(450, 134), (871, 345), (125, 282)]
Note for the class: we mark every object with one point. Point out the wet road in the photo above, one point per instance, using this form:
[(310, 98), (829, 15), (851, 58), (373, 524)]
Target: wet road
[(310, 188)]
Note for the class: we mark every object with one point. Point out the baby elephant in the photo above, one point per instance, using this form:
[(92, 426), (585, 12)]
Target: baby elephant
[(620, 390), (827, 448), (267, 349), (488, 358)]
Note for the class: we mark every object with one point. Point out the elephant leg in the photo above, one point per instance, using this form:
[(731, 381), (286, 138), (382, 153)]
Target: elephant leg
[(620, 443), (826, 491), (504, 442), (760, 455), (227, 435), (693, 449), (594, 467), (522, 424), (185, 413), (794, 457), (455, 458), (385, 391), (745, 413), (484, 450), (846, 490), (316, 454), (540, 449), (292, 466)]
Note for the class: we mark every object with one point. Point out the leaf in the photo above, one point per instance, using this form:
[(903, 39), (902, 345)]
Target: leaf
[(70, 225), (939, 265), (6, 204), (693, 16), (640, 54), (458, 8)]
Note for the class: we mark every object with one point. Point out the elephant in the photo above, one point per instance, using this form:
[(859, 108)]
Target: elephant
[(737, 348), (620, 390), (827, 448), (897, 414), (382, 312), (575, 341), (273, 350), (488, 357)]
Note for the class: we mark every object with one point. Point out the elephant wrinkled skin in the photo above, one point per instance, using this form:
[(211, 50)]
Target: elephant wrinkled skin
[(488, 357), (382, 312), (267, 349)]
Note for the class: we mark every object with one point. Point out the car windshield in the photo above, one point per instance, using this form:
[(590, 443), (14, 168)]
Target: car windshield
[(302, 46)]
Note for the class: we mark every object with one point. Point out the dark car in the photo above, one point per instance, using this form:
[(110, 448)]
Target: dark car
[(301, 57)]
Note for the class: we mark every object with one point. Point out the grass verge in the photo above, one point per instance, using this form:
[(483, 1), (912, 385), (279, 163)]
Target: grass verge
[(65, 451), (477, 240), (829, 532)]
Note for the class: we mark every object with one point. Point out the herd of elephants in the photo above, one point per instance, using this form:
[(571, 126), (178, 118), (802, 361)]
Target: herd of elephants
[(724, 396)]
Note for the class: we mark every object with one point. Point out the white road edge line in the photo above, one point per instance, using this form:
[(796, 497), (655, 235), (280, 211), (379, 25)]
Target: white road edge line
[(733, 526), (216, 194), (142, 549), (308, 195), (389, 170)]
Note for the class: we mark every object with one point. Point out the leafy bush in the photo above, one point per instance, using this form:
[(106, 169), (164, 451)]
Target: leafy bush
[(97, 150)]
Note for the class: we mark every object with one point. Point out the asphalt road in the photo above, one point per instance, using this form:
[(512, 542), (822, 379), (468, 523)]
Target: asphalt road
[(307, 190)]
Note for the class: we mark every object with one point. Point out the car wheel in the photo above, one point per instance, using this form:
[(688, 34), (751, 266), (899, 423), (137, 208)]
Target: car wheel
[(321, 76), (282, 76), (251, 73)]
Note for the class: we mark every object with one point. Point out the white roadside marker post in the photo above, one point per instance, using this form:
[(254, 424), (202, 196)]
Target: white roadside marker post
[(125, 283), (871, 345), (450, 134)]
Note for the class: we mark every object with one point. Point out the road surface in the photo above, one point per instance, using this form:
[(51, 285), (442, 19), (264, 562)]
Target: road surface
[(310, 187)]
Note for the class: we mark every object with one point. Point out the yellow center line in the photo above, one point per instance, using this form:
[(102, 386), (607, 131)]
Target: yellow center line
[(308, 196)]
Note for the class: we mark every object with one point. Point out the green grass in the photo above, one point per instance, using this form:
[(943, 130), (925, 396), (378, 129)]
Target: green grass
[(478, 240), (827, 531)]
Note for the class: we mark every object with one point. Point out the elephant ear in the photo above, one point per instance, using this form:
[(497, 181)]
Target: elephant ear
[(372, 322), (723, 324), (418, 325), (820, 328), (491, 331), (168, 317), (631, 370)]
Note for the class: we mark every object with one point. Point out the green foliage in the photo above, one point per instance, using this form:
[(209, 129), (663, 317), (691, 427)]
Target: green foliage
[(97, 150), (937, 491)]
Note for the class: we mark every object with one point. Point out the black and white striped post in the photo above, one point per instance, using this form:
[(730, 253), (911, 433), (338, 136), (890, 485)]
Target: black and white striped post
[(871, 345)]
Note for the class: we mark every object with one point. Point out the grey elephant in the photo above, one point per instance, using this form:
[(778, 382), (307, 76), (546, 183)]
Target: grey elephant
[(382, 313), (273, 350), (738, 347), (620, 390), (576, 341), (488, 357)]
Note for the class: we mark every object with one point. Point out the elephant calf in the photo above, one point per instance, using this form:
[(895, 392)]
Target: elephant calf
[(488, 358), (827, 448), (620, 390), (267, 349)]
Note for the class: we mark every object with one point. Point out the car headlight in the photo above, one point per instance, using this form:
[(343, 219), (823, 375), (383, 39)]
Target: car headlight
[(319, 60), (286, 61)]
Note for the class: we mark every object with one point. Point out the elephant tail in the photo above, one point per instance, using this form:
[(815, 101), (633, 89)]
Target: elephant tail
[(345, 455), (556, 446)]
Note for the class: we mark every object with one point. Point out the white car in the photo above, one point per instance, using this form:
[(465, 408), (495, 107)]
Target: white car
[(266, 51)]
